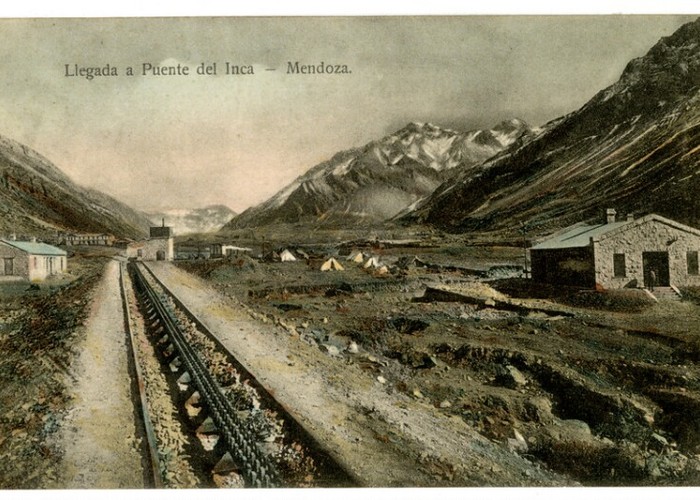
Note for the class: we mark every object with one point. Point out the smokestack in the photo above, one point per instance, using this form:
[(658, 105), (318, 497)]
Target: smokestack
[(163, 222), (610, 214)]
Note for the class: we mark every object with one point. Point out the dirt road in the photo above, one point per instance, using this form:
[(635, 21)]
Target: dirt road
[(98, 434), (383, 436)]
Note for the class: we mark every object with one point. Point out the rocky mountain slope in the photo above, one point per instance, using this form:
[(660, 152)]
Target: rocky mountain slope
[(376, 182), (37, 199), (197, 220), (634, 146)]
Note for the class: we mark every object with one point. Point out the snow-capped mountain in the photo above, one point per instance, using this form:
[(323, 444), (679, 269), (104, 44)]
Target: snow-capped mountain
[(196, 220), (634, 146), (373, 183)]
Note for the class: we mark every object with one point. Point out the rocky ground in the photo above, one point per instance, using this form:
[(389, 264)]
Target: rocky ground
[(431, 376), (41, 328), (599, 389), (382, 435)]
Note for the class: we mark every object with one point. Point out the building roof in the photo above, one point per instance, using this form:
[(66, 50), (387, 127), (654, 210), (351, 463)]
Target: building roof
[(35, 248), (580, 235), (577, 236)]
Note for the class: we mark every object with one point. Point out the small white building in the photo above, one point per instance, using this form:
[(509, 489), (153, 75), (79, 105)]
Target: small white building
[(30, 260), (218, 250)]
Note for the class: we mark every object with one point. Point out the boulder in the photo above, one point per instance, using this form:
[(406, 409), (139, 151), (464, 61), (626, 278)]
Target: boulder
[(657, 443), (517, 443), (331, 350), (538, 409), (510, 376)]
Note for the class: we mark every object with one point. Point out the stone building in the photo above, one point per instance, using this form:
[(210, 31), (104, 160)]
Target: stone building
[(652, 250), (159, 246), (100, 239), (30, 260)]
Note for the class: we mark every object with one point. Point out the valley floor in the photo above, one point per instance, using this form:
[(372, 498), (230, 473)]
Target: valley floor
[(549, 385), (431, 376)]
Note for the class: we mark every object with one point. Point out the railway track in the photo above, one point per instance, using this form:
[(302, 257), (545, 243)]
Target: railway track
[(261, 460)]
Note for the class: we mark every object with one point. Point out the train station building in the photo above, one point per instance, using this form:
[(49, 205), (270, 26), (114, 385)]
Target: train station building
[(30, 260), (633, 253), (159, 246)]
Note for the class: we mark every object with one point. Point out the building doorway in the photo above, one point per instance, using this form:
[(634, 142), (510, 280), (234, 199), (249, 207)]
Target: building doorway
[(658, 263), (9, 266), (160, 255)]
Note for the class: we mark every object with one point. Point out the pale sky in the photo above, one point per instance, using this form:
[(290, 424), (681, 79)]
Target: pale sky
[(189, 141)]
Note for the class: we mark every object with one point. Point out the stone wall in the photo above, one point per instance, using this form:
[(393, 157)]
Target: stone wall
[(632, 241), (150, 248), (20, 261), (31, 267)]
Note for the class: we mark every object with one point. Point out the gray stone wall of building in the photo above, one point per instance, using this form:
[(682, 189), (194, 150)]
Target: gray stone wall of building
[(30, 267), (150, 248), (20, 262), (633, 241)]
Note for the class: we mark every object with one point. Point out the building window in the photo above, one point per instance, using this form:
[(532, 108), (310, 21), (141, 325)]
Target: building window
[(693, 263), (9, 266), (619, 268)]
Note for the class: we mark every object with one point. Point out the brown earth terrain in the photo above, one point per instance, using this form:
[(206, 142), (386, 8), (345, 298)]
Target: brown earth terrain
[(41, 332), (454, 371), (592, 388)]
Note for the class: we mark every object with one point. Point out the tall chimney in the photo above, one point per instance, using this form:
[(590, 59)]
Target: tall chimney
[(610, 215), (163, 222)]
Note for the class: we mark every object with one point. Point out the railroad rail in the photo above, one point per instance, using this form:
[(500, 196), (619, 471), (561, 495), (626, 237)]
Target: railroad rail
[(151, 442), (256, 468)]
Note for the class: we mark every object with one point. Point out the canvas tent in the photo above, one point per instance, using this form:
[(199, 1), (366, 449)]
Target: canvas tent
[(287, 256), (332, 265), (372, 262), (408, 262), (357, 257), (383, 270)]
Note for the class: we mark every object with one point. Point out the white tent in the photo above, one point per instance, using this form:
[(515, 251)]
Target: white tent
[(332, 265), (287, 256), (372, 262), (357, 257), (383, 270)]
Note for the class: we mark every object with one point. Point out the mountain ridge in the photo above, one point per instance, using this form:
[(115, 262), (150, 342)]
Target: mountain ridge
[(38, 199), (184, 221), (632, 146), (373, 183)]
